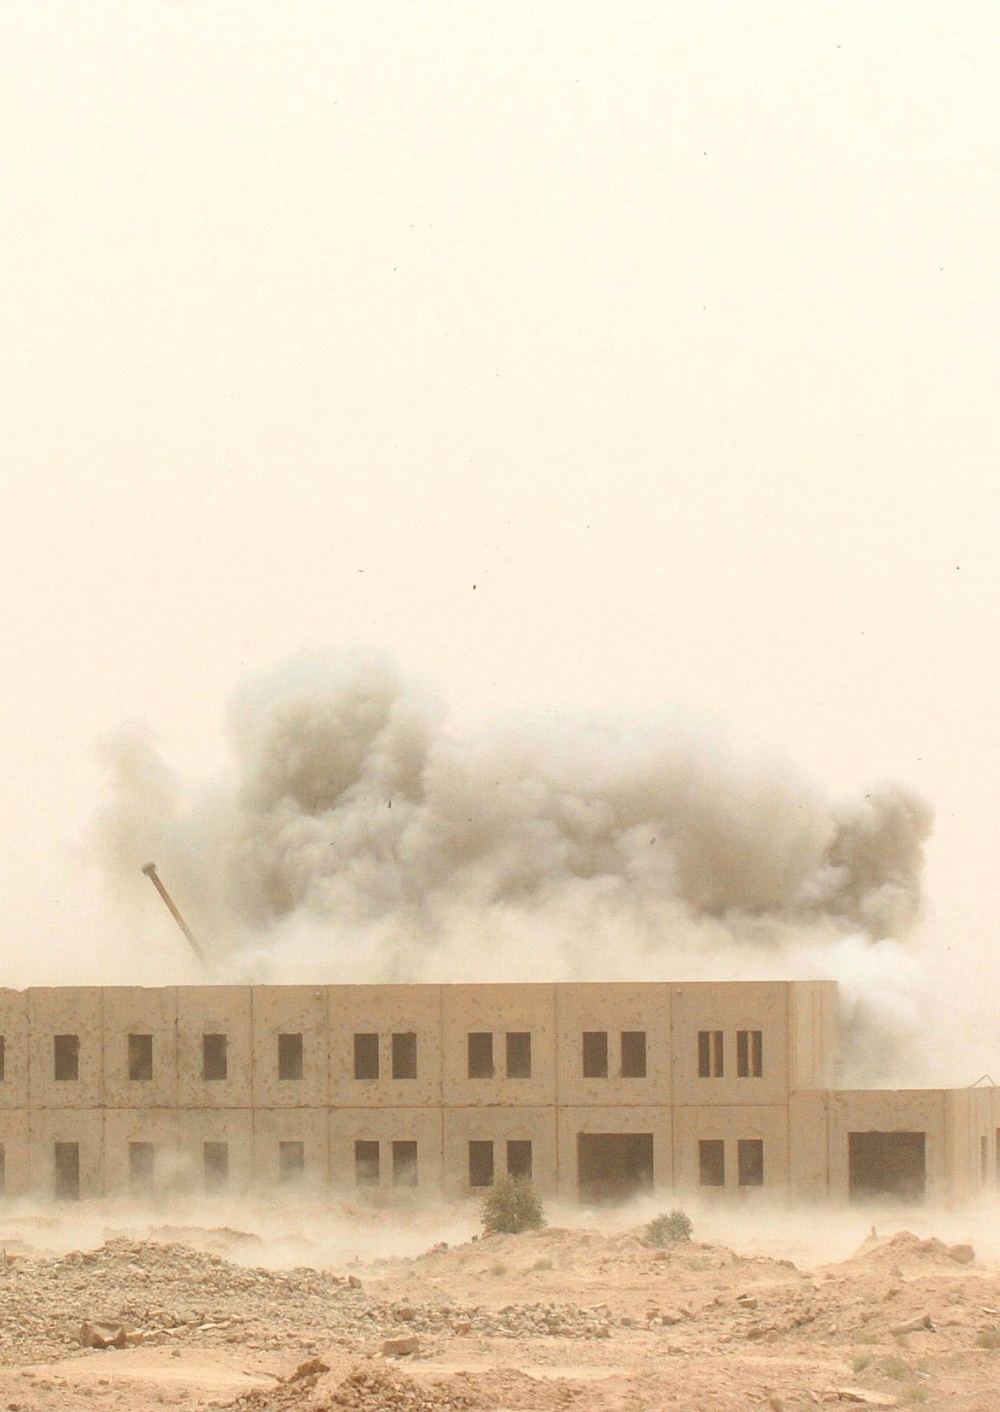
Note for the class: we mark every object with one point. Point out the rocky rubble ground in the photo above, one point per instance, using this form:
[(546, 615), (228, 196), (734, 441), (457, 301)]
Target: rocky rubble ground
[(550, 1320)]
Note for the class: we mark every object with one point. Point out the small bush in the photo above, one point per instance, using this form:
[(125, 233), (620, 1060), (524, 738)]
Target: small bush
[(668, 1229), (861, 1361), (512, 1205), (988, 1338)]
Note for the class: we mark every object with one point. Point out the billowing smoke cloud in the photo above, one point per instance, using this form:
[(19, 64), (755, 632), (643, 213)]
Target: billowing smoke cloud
[(359, 839)]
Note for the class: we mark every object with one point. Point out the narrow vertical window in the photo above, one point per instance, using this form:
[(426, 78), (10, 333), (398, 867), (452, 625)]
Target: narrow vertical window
[(749, 1054), (141, 1162), (66, 1057), (366, 1056), (291, 1161), (366, 1163), (214, 1057), (750, 1161), (595, 1054), (140, 1057), (480, 1046), (519, 1054), (215, 1158), (404, 1056), (404, 1164), (712, 1163), (480, 1163), (289, 1056), (711, 1054), (633, 1054), (67, 1171), (519, 1158)]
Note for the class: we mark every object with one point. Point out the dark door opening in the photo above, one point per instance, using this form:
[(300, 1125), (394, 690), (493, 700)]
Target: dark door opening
[(613, 1166), (67, 1165), (887, 1165)]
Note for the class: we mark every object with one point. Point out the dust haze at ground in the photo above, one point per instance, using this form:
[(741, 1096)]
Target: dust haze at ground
[(293, 1304)]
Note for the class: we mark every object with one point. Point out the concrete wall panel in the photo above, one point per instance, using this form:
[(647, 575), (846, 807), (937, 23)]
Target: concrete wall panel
[(385, 1126), (291, 1010), (498, 1010), (14, 1030), (158, 1126), (135, 1010), (310, 1127), (808, 1159), (889, 1110), (15, 1138), (612, 1009), (385, 1010), (82, 1126), (231, 1126), (613, 1119), (729, 1008), (731, 1125), (67, 1010), (500, 1126), (213, 1009)]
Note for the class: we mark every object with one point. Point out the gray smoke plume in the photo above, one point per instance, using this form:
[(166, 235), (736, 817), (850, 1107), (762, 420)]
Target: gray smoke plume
[(359, 839)]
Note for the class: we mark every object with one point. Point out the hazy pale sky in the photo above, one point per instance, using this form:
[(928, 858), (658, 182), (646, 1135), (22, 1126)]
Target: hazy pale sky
[(579, 355)]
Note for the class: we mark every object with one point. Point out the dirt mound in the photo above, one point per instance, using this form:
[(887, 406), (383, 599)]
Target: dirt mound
[(905, 1250)]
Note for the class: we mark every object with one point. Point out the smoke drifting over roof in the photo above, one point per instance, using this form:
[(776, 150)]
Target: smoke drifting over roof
[(358, 838)]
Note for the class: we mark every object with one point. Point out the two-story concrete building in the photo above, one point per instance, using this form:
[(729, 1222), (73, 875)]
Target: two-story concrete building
[(594, 1091)]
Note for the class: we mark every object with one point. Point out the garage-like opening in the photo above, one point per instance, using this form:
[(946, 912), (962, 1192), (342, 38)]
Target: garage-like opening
[(882, 1165), (613, 1166)]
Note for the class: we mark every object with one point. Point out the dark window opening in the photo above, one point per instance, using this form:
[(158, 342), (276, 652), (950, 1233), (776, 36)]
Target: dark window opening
[(749, 1054), (613, 1167), (140, 1057), (480, 1163), (519, 1054), (595, 1054), (711, 1054), (215, 1157), (712, 1162), (404, 1056), (67, 1168), (519, 1158), (633, 1054), (291, 1161), (3, 1058), (214, 1057), (750, 1161), (366, 1056), (67, 1056), (141, 1163), (889, 1165), (404, 1164), (289, 1056), (366, 1163), (480, 1056)]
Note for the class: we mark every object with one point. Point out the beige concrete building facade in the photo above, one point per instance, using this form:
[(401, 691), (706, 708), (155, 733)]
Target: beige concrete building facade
[(594, 1091)]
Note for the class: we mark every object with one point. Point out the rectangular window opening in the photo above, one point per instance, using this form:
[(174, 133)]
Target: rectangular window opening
[(519, 1054), (291, 1161), (214, 1057), (140, 1057), (366, 1056), (749, 1054), (519, 1158), (404, 1055), (141, 1162), (66, 1048), (633, 1054), (711, 1054), (750, 1161), (289, 1056), (67, 1171), (215, 1157), (712, 1162), (480, 1164), (404, 1163), (595, 1054), (366, 1163), (480, 1056)]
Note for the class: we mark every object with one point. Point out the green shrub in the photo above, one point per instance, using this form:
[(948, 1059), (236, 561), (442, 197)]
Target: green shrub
[(668, 1229), (512, 1205)]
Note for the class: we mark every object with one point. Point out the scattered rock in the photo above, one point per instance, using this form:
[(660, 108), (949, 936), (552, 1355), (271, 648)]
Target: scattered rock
[(402, 1347)]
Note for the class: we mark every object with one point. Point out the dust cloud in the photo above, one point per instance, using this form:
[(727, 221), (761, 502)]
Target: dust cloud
[(357, 837)]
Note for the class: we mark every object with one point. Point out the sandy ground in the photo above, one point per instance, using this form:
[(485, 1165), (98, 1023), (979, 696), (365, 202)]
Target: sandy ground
[(265, 1309)]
